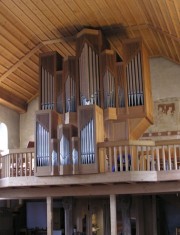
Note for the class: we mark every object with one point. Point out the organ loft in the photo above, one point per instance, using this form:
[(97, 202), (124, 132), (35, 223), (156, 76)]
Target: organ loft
[(92, 97)]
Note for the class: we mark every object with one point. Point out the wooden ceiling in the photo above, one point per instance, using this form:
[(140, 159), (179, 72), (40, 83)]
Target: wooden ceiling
[(30, 27)]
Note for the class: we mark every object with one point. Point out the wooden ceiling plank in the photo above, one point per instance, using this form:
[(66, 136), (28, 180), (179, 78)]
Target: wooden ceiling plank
[(157, 12), (9, 46), (177, 7), (78, 15), (20, 85), (126, 13), (59, 50), (121, 20), (6, 63), (12, 101), (41, 15), (35, 67), (145, 12), (104, 8), (20, 62), (18, 12), (91, 17), (20, 73), (66, 17), (28, 70), (25, 84), (14, 92), (157, 41), (174, 16), (177, 49), (70, 18), (174, 53), (136, 12), (16, 28), (166, 16), (169, 47), (2, 69), (97, 13), (12, 39), (18, 88), (162, 44), (154, 16), (69, 49), (8, 55)]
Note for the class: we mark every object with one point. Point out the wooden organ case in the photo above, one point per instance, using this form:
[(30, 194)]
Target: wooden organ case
[(87, 99)]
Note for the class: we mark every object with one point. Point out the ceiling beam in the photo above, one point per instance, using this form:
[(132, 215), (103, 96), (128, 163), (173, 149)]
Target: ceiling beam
[(31, 53), (10, 100), (91, 190)]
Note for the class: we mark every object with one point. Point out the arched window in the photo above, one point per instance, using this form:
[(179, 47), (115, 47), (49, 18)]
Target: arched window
[(3, 137)]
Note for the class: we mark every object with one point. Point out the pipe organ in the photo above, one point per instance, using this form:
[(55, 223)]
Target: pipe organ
[(50, 64), (87, 98), (65, 133)]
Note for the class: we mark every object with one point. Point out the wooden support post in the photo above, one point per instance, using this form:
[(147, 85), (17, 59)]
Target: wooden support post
[(113, 214), (49, 201), (67, 204), (125, 209)]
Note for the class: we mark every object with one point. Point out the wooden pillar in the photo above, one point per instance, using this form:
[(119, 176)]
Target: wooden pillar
[(67, 204), (125, 210), (49, 201), (113, 214)]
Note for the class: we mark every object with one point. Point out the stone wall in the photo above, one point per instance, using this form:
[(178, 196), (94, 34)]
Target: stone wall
[(11, 119), (165, 81), (27, 124)]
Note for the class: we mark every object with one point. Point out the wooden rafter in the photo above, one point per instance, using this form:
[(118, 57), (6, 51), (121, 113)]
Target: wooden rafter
[(29, 54), (12, 101)]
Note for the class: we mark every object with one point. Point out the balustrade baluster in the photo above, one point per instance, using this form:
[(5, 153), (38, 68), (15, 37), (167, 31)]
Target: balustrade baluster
[(164, 158), (169, 157)]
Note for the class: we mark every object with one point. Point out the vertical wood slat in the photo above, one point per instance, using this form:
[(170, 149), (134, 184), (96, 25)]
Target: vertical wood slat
[(157, 159), (137, 159), (169, 157), (30, 164), (142, 160), (16, 164), (110, 159), (120, 158), (115, 159), (148, 158), (126, 158), (175, 158), (132, 158), (164, 158), (153, 162)]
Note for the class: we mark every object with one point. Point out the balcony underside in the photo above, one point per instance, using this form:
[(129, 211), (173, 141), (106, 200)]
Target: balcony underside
[(93, 184)]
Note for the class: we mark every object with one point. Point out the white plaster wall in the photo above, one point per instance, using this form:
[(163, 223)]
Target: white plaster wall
[(12, 120), (165, 78), (27, 124)]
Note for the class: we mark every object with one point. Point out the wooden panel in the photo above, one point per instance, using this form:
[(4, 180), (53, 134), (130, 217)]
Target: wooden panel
[(46, 130), (90, 132)]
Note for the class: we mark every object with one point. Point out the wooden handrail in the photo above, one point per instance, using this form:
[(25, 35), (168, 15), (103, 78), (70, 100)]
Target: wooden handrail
[(139, 155), (17, 162)]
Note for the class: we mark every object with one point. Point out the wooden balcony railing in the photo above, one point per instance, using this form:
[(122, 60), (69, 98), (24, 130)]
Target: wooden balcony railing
[(114, 156), (18, 162), (139, 156)]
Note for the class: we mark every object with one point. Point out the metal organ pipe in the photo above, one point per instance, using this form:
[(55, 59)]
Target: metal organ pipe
[(134, 81), (89, 76), (109, 90), (87, 143), (42, 145)]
